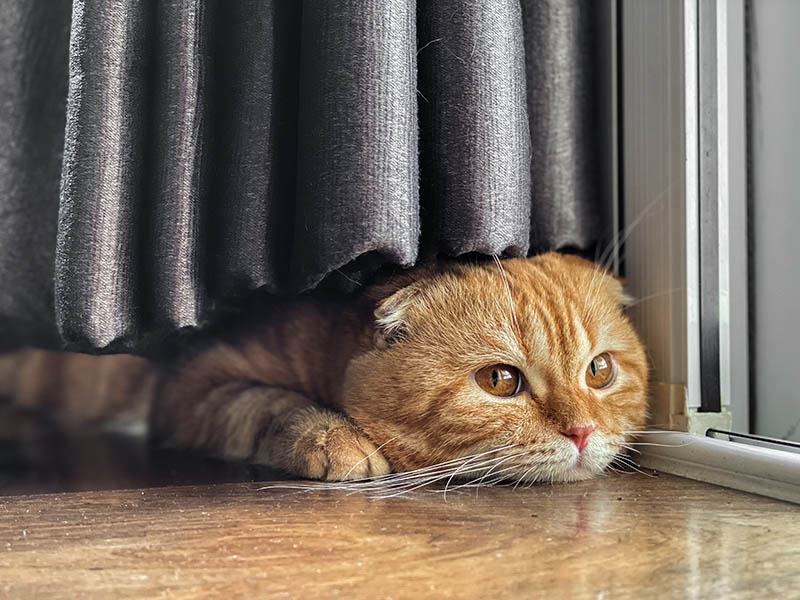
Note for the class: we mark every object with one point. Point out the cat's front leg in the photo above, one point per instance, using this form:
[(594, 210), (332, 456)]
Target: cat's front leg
[(267, 425)]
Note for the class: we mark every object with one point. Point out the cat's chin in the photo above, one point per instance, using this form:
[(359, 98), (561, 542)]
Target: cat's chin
[(578, 471), (566, 472)]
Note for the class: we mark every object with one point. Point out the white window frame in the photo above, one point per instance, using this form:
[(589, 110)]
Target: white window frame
[(680, 81)]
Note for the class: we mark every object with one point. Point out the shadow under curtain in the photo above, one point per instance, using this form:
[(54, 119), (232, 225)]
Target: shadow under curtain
[(159, 157)]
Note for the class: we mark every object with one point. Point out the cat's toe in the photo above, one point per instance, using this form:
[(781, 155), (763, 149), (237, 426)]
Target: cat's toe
[(337, 452), (351, 456)]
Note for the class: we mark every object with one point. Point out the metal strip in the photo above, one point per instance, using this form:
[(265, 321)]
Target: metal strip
[(733, 279), (723, 209), (756, 440), (710, 400), (692, 195), (764, 471)]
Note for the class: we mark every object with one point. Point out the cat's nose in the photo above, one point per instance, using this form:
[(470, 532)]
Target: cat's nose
[(579, 435)]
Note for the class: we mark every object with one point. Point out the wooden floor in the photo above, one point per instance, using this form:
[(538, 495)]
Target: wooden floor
[(622, 536)]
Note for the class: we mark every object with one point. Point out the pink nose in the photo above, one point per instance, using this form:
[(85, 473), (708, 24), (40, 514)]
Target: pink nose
[(579, 435)]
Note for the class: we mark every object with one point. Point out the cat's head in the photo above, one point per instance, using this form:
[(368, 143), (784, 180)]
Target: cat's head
[(533, 364)]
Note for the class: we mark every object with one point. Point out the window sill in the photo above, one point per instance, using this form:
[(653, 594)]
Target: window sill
[(763, 471)]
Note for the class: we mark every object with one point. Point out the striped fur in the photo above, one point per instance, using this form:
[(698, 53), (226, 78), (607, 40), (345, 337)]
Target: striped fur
[(344, 387)]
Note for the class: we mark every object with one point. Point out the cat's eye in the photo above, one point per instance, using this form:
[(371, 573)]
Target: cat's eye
[(602, 371), (499, 380)]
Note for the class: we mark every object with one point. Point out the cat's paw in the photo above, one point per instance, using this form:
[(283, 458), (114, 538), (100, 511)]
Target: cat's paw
[(325, 445)]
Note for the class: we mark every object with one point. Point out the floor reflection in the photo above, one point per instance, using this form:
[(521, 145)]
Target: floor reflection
[(41, 455)]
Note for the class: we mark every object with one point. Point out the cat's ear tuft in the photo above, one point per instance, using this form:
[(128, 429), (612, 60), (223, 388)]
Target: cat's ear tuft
[(391, 323), (625, 299), (616, 289)]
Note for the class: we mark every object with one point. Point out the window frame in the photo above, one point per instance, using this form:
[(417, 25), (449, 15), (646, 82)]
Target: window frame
[(682, 193), (683, 199)]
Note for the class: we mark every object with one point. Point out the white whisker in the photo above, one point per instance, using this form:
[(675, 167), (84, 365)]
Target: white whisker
[(503, 459), (392, 480), (521, 477), (628, 462), (651, 296), (616, 242), (647, 431), (411, 486), (661, 445), (515, 322), (367, 457)]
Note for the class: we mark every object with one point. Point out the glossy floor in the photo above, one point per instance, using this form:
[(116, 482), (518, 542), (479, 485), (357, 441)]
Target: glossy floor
[(620, 536)]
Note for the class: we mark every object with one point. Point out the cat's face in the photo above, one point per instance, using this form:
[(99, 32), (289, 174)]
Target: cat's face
[(546, 374)]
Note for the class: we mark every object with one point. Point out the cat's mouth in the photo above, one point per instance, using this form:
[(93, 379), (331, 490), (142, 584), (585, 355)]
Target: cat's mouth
[(588, 461), (560, 463)]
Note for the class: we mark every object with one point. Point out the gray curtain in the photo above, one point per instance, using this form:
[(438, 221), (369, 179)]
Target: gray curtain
[(161, 156)]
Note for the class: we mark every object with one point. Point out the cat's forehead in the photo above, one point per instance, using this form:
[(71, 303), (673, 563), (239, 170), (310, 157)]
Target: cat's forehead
[(547, 286), (526, 310), (554, 332), (543, 312)]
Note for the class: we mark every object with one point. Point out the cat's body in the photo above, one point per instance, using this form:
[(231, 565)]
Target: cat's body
[(436, 364)]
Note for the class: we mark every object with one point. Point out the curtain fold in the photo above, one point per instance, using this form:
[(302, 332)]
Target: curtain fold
[(34, 41), (254, 141), (163, 156), (475, 144), (357, 188), (103, 177), (564, 83)]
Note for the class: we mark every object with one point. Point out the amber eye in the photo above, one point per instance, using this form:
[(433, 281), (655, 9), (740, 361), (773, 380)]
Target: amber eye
[(602, 371), (499, 380)]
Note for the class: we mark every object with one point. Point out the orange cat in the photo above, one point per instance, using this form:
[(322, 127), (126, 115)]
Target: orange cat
[(527, 369)]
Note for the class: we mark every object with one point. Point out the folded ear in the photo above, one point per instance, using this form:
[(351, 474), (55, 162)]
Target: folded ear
[(391, 322)]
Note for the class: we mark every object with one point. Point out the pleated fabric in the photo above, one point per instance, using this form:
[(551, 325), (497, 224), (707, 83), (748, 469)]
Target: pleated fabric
[(163, 156)]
